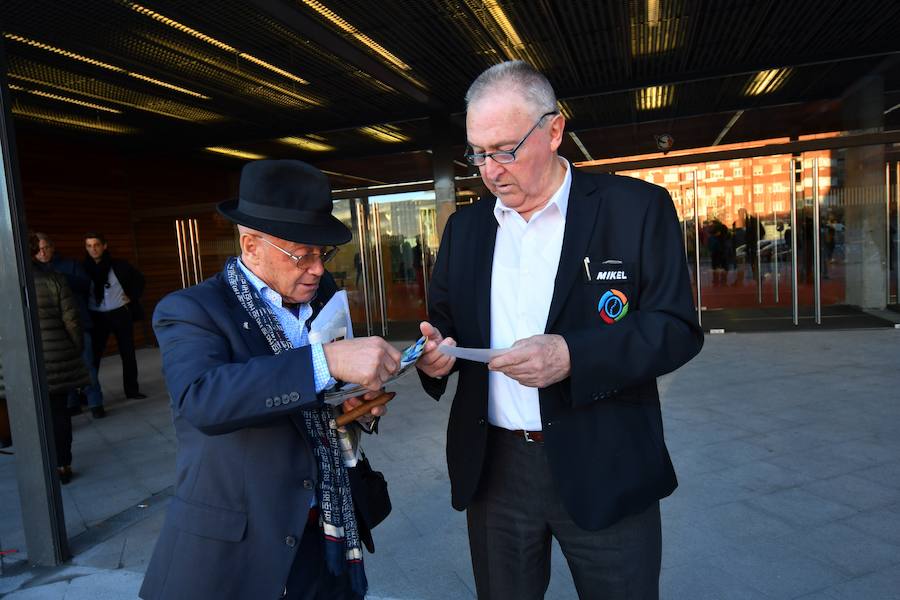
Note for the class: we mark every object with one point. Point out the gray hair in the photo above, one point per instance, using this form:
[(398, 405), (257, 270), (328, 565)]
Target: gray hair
[(520, 76)]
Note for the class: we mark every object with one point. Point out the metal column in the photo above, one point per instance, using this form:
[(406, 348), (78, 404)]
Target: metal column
[(887, 232), (795, 309), (775, 252), (697, 253), (364, 259), (897, 231), (817, 266), (23, 364)]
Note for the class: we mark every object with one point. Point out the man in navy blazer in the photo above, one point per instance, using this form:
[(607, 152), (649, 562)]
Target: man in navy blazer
[(247, 516), (585, 277)]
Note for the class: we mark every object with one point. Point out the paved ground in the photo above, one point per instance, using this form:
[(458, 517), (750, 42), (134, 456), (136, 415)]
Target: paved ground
[(785, 444)]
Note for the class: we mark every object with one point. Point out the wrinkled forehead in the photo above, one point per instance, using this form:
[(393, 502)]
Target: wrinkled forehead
[(498, 120)]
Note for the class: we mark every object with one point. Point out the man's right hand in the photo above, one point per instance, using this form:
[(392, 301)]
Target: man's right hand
[(368, 361), (433, 362)]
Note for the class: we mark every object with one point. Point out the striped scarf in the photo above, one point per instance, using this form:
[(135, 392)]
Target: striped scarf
[(343, 549)]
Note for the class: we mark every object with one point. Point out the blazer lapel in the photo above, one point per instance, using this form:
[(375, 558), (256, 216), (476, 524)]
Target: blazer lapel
[(581, 217), (485, 238)]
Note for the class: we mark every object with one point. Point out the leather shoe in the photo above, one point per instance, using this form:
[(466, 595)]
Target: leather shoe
[(65, 474), (98, 412), (138, 396)]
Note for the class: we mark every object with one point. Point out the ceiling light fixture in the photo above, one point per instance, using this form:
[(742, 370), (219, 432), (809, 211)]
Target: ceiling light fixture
[(346, 27), (384, 133), (206, 116), (768, 81), (101, 64), (51, 96), (565, 110), (654, 97), (234, 153), (65, 120), (653, 32), (496, 11), (306, 143), (211, 40)]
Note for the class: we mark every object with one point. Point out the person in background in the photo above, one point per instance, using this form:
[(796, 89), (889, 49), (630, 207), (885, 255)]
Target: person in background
[(61, 339), (80, 284), (114, 305)]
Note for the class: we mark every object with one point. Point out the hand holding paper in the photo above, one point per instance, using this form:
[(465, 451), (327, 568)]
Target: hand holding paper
[(537, 361), (433, 362)]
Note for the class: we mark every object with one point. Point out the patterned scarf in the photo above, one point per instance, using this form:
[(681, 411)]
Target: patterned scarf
[(338, 520)]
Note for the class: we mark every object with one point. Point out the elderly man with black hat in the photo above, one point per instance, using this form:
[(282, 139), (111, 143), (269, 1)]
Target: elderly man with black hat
[(262, 505)]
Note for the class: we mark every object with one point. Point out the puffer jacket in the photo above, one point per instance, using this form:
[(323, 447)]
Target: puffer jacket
[(61, 334)]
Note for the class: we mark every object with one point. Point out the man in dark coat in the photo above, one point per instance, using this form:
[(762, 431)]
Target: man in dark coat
[(261, 509), (114, 303), (584, 276)]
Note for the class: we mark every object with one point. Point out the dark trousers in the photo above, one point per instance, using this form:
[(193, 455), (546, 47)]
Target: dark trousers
[(119, 323), (62, 428), (516, 513), (310, 578)]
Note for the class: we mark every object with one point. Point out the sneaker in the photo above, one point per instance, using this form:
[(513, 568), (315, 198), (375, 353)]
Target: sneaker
[(98, 412), (137, 396)]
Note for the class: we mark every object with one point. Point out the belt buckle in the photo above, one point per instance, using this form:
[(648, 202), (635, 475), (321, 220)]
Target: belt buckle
[(527, 436)]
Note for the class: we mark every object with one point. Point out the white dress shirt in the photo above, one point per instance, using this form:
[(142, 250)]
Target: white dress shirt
[(113, 295), (526, 257)]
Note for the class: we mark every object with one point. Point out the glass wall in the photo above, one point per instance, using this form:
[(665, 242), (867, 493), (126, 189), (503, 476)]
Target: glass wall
[(762, 234)]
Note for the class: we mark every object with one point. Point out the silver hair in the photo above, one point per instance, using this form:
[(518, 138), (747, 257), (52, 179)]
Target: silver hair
[(520, 76)]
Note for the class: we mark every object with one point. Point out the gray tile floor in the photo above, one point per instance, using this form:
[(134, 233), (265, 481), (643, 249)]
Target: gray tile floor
[(785, 444)]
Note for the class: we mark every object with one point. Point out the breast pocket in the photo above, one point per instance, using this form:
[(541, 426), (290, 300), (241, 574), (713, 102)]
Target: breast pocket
[(609, 295)]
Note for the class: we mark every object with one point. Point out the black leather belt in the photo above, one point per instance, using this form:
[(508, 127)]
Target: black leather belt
[(528, 436)]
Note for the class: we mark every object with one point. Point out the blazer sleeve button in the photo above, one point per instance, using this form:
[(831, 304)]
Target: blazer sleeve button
[(269, 403), (294, 396), (307, 484), (482, 422)]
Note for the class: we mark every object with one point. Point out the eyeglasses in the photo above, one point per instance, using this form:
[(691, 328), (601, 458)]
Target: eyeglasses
[(504, 157), (305, 261)]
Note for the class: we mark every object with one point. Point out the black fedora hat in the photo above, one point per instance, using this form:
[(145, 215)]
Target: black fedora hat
[(288, 199)]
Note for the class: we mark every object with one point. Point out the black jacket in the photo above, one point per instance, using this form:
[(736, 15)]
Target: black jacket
[(602, 426)]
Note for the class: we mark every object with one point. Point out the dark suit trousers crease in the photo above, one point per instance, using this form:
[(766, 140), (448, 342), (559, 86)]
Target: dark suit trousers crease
[(119, 323), (517, 511), (310, 578)]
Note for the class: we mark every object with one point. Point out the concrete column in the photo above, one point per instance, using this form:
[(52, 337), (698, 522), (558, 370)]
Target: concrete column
[(442, 134), (864, 237)]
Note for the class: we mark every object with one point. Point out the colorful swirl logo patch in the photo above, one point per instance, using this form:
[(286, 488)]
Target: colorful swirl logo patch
[(613, 306)]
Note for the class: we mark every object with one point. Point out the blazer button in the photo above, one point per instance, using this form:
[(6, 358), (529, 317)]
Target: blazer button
[(269, 403), (291, 541), (308, 484), (595, 396), (276, 401), (481, 422)]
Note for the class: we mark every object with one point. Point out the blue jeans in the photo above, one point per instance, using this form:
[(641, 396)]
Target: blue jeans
[(93, 392)]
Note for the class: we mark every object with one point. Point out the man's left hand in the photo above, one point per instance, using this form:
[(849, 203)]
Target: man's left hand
[(538, 361)]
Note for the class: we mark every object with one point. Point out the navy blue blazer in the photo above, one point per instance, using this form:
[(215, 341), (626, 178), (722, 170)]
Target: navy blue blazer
[(245, 472), (602, 425)]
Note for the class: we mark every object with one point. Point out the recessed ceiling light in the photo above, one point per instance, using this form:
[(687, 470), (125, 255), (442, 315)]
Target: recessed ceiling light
[(768, 81), (234, 153)]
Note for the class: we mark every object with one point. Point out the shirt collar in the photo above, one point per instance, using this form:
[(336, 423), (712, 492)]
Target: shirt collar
[(559, 199)]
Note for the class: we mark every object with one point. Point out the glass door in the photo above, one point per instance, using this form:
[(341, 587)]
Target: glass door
[(386, 266)]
